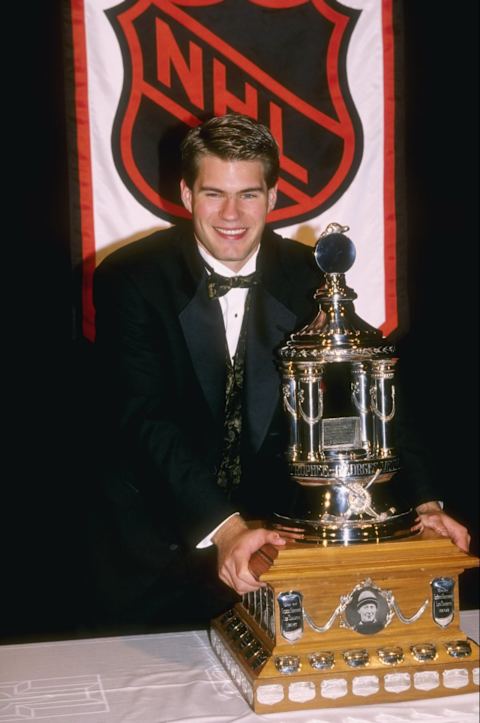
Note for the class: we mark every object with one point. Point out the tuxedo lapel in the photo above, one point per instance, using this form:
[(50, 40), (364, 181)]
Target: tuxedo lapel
[(269, 324), (202, 325)]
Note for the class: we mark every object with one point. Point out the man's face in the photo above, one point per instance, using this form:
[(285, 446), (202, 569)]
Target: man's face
[(368, 612), (229, 203)]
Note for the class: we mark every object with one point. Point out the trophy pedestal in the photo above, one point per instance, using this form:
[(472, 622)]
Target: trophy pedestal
[(351, 625)]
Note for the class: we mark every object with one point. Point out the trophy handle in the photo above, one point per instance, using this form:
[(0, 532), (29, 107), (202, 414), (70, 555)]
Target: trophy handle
[(375, 408)]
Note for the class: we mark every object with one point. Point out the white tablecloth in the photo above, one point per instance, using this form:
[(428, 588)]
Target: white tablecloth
[(169, 677)]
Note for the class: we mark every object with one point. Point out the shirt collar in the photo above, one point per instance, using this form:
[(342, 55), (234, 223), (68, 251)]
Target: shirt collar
[(223, 270)]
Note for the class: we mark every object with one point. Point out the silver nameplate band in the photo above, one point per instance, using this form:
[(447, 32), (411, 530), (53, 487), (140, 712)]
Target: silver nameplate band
[(390, 655), (356, 658), (322, 660), (287, 664), (291, 614), (443, 600), (459, 648), (424, 651)]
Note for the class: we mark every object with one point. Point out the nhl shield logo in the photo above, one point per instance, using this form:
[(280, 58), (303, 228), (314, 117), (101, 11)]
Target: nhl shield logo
[(283, 63)]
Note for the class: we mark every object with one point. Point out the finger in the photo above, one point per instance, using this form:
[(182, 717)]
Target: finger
[(241, 586), (246, 583), (292, 529), (237, 583), (274, 538), (242, 589), (229, 574), (437, 525), (242, 577), (463, 542), (418, 527), (225, 577), (434, 522), (291, 535)]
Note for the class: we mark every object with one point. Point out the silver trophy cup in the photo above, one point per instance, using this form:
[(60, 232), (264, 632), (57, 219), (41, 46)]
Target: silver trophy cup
[(338, 378)]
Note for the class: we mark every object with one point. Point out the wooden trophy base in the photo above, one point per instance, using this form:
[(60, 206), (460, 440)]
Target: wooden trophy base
[(350, 625)]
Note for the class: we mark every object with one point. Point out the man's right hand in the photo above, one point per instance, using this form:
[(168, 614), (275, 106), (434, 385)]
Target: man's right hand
[(236, 543)]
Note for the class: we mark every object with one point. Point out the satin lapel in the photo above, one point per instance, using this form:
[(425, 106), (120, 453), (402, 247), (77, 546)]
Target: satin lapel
[(269, 324), (202, 325)]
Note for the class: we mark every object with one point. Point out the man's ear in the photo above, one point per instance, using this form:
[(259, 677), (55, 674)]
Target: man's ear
[(186, 195), (272, 197)]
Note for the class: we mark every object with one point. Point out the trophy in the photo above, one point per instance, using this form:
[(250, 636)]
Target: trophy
[(339, 397), (357, 609)]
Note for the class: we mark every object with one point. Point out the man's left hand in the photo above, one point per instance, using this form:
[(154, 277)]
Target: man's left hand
[(432, 517)]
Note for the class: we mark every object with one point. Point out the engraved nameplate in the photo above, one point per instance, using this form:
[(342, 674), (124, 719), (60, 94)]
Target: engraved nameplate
[(443, 600), (334, 469), (291, 615), (341, 433)]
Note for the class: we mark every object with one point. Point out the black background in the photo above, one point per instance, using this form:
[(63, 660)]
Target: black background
[(46, 375)]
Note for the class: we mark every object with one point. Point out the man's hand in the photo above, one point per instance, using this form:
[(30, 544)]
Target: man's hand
[(236, 543), (431, 516)]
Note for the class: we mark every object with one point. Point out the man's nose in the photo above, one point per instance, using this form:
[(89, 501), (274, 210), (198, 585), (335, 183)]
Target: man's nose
[(229, 209)]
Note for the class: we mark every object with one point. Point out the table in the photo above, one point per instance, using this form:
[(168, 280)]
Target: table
[(167, 678)]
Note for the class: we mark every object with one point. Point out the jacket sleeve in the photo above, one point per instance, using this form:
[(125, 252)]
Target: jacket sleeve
[(415, 476)]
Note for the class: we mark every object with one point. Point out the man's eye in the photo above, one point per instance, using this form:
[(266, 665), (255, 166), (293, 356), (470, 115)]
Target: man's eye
[(212, 194), (249, 195)]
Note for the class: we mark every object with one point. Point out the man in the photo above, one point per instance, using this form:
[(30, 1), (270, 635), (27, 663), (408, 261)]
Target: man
[(367, 607), (192, 384), (370, 619)]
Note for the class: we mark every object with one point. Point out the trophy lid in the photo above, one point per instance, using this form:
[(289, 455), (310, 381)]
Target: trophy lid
[(336, 333), (334, 252)]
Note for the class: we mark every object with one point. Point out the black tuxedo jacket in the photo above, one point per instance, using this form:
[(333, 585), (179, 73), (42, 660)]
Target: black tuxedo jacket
[(162, 351)]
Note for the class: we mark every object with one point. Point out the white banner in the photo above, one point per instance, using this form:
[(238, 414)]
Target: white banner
[(145, 67)]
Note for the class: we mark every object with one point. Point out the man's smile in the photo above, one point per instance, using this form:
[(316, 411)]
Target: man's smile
[(232, 232)]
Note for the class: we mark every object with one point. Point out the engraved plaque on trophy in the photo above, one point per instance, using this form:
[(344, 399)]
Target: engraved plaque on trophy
[(291, 615)]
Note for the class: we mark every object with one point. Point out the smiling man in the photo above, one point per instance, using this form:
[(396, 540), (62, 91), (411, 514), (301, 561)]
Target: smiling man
[(188, 323), (229, 202)]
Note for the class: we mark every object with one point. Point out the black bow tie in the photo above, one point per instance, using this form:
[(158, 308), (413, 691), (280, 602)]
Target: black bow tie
[(219, 285)]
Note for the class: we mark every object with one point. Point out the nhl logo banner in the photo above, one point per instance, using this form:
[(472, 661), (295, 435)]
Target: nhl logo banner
[(181, 67), (319, 73)]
